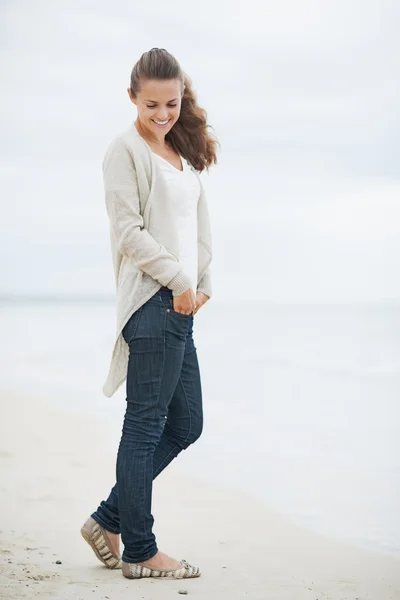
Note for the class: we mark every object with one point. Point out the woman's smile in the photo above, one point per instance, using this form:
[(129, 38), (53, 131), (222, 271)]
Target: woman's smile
[(161, 123)]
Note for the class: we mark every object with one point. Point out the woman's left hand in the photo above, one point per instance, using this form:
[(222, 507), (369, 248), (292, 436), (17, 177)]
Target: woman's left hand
[(201, 299)]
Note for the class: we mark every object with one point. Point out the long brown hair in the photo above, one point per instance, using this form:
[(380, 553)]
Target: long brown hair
[(190, 136)]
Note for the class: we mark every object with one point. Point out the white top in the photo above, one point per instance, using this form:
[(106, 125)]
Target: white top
[(184, 193)]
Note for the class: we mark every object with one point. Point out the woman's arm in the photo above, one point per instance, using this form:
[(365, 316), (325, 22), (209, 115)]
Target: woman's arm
[(132, 239)]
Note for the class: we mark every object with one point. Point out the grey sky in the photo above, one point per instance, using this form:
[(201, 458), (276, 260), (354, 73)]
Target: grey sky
[(303, 96)]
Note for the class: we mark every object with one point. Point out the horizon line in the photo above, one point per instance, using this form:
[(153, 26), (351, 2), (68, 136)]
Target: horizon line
[(110, 298)]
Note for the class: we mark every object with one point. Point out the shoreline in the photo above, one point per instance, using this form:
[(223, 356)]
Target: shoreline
[(54, 471)]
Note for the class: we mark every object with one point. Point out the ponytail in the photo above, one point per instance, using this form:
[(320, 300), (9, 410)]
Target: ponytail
[(190, 136)]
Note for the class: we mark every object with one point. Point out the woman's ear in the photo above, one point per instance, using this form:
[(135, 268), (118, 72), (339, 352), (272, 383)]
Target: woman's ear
[(133, 99)]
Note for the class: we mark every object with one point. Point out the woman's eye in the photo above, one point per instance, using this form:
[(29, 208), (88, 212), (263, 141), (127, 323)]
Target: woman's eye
[(169, 105)]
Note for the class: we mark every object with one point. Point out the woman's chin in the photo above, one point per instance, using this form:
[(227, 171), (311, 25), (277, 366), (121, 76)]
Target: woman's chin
[(162, 128)]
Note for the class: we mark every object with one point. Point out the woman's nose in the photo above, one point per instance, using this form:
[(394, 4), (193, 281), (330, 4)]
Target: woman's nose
[(162, 114)]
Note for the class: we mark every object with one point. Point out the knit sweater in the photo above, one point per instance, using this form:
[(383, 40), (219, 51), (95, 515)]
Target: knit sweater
[(144, 239)]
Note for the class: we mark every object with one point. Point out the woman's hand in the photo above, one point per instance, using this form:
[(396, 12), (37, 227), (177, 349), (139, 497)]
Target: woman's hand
[(201, 299), (184, 303)]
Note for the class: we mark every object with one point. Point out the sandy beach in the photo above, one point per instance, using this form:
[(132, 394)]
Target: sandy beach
[(54, 470)]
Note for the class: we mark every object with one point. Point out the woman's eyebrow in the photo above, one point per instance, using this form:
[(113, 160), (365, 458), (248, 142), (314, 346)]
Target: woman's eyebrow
[(154, 102)]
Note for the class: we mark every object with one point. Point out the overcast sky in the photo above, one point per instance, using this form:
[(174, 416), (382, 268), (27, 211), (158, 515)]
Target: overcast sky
[(304, 97)]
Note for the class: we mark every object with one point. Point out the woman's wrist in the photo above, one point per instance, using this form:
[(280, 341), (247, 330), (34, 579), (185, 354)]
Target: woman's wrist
[(179, 284)]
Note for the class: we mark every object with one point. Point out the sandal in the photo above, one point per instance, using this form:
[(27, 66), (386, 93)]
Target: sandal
[(98, 540), (137, 571)]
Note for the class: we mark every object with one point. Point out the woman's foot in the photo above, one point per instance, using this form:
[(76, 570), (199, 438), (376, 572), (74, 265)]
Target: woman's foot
[(104, 544), (162, 561), (160, 565)]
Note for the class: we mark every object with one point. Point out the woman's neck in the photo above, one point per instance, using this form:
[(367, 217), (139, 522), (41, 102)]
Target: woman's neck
[(149, 136)]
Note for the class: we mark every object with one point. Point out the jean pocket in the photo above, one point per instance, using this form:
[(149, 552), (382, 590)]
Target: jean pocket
[(181, 315), (169, 306)]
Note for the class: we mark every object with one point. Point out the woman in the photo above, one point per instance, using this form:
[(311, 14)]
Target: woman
[(161, 247)]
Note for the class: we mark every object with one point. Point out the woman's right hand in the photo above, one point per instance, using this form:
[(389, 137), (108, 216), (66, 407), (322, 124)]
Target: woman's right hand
[(185, 303)]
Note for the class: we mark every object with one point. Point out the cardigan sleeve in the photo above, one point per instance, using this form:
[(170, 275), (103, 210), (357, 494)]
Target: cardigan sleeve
[(204, 284), (127, 227)]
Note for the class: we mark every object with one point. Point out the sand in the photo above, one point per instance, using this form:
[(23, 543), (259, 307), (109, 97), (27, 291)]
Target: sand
[(55, 469)]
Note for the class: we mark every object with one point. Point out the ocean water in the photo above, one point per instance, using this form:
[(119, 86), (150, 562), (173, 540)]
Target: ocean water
[(301, 402)]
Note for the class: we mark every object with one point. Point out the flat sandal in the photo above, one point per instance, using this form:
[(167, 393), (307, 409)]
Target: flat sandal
[(137, 571), (97, 538)]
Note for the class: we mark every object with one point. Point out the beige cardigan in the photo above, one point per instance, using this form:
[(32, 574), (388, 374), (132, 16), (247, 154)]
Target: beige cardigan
[(144, 241)]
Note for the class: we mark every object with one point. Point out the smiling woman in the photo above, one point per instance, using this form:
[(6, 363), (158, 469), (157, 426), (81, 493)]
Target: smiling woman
[(161, 262), (161, 111), (159, 104), (167, 105)]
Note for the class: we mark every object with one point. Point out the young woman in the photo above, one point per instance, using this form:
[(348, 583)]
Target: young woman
[(161, 247)]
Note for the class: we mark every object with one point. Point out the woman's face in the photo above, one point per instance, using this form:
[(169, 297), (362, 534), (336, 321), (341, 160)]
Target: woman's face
[(158, 104)]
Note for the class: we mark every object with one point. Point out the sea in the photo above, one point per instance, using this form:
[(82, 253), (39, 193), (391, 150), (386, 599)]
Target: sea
[(301, 402)]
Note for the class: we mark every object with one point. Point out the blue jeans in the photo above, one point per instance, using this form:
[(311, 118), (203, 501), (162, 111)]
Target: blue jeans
[(163, 416)]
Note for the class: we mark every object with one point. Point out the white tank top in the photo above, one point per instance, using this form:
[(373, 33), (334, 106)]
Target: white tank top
[(184, 192)]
